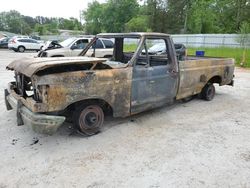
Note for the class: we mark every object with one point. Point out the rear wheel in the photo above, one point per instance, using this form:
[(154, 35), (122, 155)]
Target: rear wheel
[(208, 92), (21, 49), (89, 119)]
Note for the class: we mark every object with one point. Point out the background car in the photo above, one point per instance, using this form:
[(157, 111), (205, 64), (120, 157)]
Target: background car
[(181, 51), (51, 44), (4, 42), (35, 37), (160, 48), (74, 46), (21, 44)]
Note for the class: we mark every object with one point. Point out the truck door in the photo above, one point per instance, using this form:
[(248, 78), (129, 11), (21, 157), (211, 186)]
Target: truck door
[(155, 75)]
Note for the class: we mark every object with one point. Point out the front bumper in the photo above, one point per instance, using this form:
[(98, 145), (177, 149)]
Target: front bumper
[(40, 123)]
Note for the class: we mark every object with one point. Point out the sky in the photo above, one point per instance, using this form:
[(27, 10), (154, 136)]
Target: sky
[(47, 8)]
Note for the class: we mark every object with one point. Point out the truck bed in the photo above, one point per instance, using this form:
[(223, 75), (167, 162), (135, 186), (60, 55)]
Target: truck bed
[(195, 72)]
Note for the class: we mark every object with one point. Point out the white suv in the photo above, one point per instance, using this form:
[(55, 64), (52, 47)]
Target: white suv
[(22, 44), (74, 46)]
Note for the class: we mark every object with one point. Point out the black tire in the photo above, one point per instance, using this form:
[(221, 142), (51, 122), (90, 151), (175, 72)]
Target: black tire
[(88, 119), (208, 92), (21, 49)]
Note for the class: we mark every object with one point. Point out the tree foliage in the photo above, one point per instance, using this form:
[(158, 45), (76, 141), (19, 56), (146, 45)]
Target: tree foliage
[(169, 16), (14, 22), (109, 17)]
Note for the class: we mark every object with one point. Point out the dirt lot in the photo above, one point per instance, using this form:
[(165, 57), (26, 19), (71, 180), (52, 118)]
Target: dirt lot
[(193, 144)]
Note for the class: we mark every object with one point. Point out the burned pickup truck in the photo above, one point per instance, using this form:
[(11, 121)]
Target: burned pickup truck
[(48, 91)]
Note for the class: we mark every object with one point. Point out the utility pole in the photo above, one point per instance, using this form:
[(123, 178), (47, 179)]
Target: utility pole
[(80, 16)]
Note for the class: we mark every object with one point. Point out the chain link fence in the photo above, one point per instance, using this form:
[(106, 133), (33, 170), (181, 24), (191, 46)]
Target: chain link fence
[(208, 40)]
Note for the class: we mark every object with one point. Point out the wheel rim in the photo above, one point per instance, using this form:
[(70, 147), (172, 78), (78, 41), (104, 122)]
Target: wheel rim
[(21, 49), (91, 120)]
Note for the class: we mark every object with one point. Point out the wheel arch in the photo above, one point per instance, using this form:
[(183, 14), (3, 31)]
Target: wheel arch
[(215, 79), (106, 107), (21, 46)]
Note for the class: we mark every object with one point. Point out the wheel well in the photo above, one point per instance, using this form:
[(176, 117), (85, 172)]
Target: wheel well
[(215, 79), (106, 107), (21, 46)]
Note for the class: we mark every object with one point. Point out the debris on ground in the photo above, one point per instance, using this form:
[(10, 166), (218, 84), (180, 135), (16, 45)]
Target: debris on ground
[(35, 141)]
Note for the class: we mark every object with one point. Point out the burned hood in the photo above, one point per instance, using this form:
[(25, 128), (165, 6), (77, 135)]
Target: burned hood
[(30, 66)]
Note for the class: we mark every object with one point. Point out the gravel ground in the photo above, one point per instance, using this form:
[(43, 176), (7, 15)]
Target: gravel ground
[(193, 144)]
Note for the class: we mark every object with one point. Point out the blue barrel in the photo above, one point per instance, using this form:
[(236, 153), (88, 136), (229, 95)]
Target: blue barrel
[(200, 53)]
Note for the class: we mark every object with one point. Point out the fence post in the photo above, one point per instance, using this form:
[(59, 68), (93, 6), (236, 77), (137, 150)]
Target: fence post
[(204, 38), (223, 41)]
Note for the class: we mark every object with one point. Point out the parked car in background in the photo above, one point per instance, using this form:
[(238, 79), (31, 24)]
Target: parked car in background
[(74, 46), (35, 37), (160, 48), (4, 42), (22, 44), (181, 51), (51, 44)]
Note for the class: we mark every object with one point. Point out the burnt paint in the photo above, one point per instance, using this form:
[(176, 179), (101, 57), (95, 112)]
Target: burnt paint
[(110, 85), (191, 72), (154, 86)]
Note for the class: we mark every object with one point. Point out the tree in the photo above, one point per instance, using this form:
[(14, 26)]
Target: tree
[(94, 17), (41, 29), (244, 40), (109, 17), (137, 24), (12, 21), (157, 12), (230, 14), (119, 12)]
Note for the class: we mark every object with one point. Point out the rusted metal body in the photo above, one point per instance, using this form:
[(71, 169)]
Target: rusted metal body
[(195, 73), (59, 84)]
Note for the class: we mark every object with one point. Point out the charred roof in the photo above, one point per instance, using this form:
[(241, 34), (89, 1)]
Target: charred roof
[(131, 35)]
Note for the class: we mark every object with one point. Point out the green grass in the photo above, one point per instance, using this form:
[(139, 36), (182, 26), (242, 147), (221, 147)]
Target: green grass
[(130, 47), (235, 53)]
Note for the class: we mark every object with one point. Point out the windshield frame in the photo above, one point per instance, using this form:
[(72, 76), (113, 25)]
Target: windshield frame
[(135, 55)]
